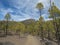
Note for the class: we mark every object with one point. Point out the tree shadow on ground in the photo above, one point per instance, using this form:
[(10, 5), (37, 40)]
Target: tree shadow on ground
[(48, 43), (6, 43)]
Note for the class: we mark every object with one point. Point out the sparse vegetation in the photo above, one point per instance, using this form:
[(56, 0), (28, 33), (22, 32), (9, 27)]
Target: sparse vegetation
[(44, 29)]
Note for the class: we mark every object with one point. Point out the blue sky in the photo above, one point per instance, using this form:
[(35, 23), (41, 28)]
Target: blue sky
[(24, 9)]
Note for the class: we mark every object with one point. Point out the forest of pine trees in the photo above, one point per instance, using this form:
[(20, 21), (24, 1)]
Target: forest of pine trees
[(45, 29)]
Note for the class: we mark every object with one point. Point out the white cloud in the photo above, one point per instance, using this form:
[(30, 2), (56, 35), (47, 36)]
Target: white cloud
[(26, 8), (48, 19), (18, 18), (5, 11)]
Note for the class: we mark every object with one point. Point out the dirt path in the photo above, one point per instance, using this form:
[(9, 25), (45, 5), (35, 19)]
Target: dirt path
[(14, 40), (25, 40), (31, 40)]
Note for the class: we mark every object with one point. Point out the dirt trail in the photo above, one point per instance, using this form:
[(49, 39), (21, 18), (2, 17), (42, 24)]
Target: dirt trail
[(14, 40), (31, 40)]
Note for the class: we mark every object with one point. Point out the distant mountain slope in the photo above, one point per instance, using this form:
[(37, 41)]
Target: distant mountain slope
[(29, 21)]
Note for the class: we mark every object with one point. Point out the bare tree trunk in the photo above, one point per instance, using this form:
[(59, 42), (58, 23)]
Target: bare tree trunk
[(41, 27), (6, 27), (56, 26)]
